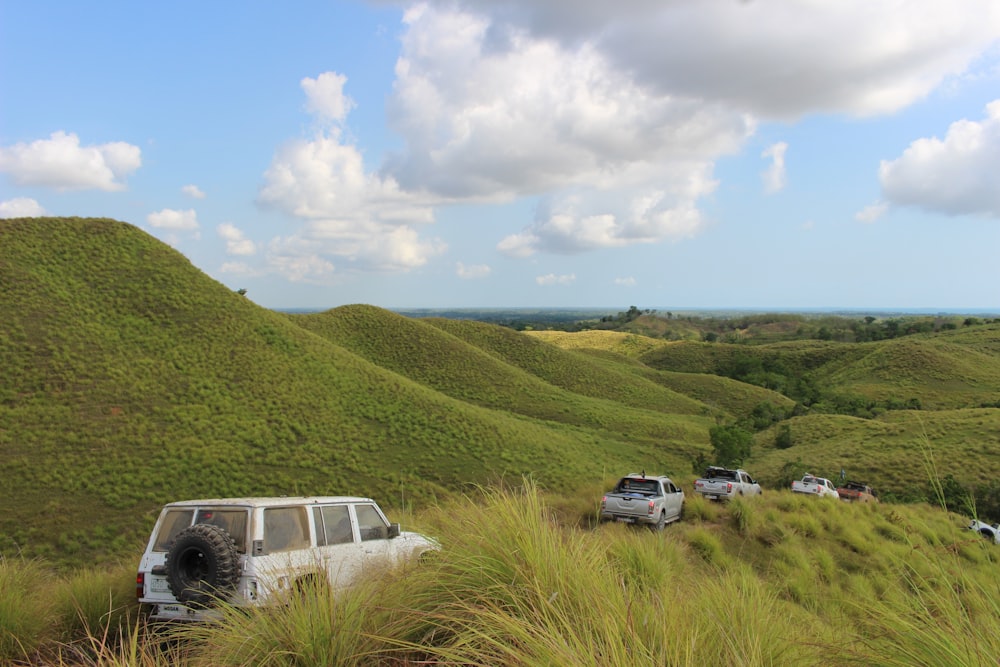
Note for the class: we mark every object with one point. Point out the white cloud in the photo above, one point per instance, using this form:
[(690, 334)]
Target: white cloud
[(60, 162), (240, 269), (236, 242), (553, 279), (296, 260), (346, 212), (612, 117), (21, 207), (486, 120), (956, 175), (872, 212), (193, 191), (774, 175), (625, 282), (472, 272), (171, 220), (773, 59), (325, 96)]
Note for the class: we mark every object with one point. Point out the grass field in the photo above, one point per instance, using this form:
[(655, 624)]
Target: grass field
[(523, 580), (128, 378)]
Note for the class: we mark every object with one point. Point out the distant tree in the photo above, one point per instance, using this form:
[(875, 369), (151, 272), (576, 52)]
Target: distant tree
[(731, 444), (784, 438), (242, 291), (789, 472)]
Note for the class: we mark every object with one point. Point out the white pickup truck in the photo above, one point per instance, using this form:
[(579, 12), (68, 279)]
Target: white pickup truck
[(815, 486), (723, 483), (653, 501)]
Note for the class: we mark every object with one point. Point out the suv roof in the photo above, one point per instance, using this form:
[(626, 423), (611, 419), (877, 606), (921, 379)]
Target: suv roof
[(270, 501)]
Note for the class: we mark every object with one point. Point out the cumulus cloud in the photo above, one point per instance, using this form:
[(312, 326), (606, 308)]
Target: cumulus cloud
[(472, 272), (774, 175), (325, 96), (553, 279), (240, 269), (236, 242), (611, 119), (60, 162), (175, 221), (346, 212), (872, 212), (956, 175), (21, 207), (193, 191), (773, 59)]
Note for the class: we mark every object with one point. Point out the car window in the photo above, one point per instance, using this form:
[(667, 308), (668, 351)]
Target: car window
[(174, 521), (333, 525), (233, 521), (285, 529), (371, 523)]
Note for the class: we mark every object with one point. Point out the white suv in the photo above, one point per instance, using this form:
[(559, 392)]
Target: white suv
[(250, 551)]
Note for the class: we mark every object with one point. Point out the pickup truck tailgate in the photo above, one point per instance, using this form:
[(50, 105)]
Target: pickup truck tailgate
[(626, 505)]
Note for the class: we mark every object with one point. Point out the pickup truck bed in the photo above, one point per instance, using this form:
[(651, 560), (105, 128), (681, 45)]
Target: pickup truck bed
[(653, 501), (722, 484), (815, 486)]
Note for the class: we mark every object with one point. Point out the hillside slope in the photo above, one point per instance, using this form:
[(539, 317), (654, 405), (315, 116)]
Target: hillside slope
[(131, 378)]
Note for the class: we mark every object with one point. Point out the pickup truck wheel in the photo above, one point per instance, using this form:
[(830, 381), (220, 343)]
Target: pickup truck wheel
[(660, 523), (202, 565)]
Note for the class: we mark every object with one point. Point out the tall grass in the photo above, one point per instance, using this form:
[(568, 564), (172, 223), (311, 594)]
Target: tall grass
[(25, 609), (521, 582)]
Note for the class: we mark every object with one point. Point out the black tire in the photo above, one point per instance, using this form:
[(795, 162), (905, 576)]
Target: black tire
[(202, 565), (660, 523)]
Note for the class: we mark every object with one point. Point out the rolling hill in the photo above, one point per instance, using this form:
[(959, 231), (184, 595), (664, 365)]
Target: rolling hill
[(129, 378)]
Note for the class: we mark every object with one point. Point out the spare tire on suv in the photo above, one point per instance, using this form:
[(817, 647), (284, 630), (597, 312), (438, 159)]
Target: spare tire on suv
[(202, 565)]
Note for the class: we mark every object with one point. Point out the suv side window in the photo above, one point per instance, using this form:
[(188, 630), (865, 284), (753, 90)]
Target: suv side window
[(333, 525), (174, 521), (285, 529), (371, 523)]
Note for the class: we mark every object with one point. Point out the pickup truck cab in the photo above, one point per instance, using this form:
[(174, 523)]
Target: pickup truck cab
[(856, 492), (652, 501), (815, 486), (257, 551), (722, 484)]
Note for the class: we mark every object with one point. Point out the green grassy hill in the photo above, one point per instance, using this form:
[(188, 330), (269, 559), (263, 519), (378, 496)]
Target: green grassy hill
[(604, 398), (130, 378)]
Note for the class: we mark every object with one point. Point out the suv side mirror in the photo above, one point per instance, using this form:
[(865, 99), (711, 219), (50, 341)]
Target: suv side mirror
[(393, 530)]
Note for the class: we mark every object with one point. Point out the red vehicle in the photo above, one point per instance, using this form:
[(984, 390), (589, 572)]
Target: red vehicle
[(856, 492)]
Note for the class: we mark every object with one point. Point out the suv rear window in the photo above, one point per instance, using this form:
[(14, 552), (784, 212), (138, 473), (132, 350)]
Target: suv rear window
[(233, 521), (174, 521)]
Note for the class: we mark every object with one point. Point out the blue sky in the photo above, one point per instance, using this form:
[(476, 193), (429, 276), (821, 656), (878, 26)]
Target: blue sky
[(468, 153)]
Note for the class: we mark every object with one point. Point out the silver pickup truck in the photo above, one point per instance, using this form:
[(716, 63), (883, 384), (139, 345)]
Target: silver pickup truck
[(722, 484), (653, 501)]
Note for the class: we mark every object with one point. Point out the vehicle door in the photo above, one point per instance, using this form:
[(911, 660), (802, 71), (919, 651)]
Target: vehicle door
[(378, 548), (284, 555), (338, 543), (673, 499)]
